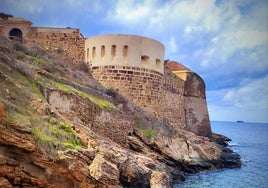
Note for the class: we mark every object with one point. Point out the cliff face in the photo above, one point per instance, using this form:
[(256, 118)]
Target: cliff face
[(60, 128)]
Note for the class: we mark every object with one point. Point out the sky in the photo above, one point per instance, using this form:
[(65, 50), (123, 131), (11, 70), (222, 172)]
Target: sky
[(224, 41)]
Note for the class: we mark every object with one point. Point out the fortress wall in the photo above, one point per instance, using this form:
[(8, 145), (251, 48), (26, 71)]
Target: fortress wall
[(7, 25), (140, 85), (185, 100), (125, 50), (195, 106), (174, 100), (132, 65), (66, 39)]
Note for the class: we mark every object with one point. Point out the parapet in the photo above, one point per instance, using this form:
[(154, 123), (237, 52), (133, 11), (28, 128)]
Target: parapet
[(125, 50)]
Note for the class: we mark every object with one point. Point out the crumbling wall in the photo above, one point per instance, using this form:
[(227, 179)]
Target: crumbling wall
[(195, 106), (60, 39)]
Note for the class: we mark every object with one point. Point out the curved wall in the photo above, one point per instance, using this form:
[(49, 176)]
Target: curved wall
[(132, 65), (125, 50)]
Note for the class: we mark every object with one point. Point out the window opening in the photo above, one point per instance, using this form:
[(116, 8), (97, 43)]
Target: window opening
[(145, 59), (158, 63), (102, 51), (93, 52), (125, 51), (113, 51)]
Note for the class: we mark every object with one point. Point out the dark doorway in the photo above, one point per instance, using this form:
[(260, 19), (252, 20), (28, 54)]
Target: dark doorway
[(15, 32)]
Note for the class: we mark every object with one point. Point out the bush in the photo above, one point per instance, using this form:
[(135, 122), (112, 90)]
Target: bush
[(149, 133)]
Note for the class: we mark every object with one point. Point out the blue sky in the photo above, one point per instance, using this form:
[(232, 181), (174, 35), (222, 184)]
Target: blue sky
[(224, 41)]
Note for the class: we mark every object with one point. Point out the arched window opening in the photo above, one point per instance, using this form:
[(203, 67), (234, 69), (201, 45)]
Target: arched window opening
[(15, 32), (93, 52), (125, 51), (158, 63), (87, 53), (113, 51), (102, 51)]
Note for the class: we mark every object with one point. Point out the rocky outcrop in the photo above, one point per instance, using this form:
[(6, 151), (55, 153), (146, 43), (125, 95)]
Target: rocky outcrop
[(64, 130)]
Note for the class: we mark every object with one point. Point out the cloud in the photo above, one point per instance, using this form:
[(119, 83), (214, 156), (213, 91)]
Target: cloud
[(253, 94), (129, 12), (250, 101), (19, 7), (172, 45)]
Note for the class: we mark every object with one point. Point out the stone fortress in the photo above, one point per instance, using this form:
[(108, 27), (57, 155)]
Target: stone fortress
[(132, 65)]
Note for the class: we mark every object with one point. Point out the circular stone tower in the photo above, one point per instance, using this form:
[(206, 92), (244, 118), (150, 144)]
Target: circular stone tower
[(133, 65)]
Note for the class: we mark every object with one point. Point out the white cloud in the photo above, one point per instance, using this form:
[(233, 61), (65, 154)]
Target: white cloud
[(172, 45), (253, 94), (248, 102), (129, 12)]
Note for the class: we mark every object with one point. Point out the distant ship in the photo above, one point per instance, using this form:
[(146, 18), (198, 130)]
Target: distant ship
[(239, 121)]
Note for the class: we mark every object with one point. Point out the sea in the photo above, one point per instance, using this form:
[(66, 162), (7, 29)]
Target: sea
[(250, 141)]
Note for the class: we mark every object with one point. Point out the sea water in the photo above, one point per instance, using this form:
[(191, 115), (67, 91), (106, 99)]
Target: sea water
[(250, 141)]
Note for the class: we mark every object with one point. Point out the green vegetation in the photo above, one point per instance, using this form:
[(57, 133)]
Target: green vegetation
[(148, 133), (102, 103), (54, 135), (37, 61)]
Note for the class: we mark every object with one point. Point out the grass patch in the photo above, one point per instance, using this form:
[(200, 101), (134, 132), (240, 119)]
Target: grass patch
[(37, 61), (34, 88), (148, 133), (54, 135), (102, 103)]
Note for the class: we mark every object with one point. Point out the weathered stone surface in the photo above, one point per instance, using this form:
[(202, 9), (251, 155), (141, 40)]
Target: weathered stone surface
[(104, 171), (159, 180), (11, 139), (189, 101), (5, 183)]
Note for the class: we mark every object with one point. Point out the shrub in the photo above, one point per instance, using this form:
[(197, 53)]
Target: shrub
[(149, 133)]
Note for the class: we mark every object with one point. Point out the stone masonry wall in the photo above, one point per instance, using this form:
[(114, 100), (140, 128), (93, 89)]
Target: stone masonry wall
[(140, 85), (68, 40), (195, 106), (185, 103), (174, 100)]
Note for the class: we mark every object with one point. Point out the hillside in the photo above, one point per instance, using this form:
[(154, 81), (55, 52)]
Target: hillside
[(60, 128)]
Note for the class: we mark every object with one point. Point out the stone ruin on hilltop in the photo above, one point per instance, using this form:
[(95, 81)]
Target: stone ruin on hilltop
[(132, 65)]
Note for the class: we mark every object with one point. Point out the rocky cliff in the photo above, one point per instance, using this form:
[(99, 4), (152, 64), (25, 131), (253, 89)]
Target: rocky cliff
[(60, 128)]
